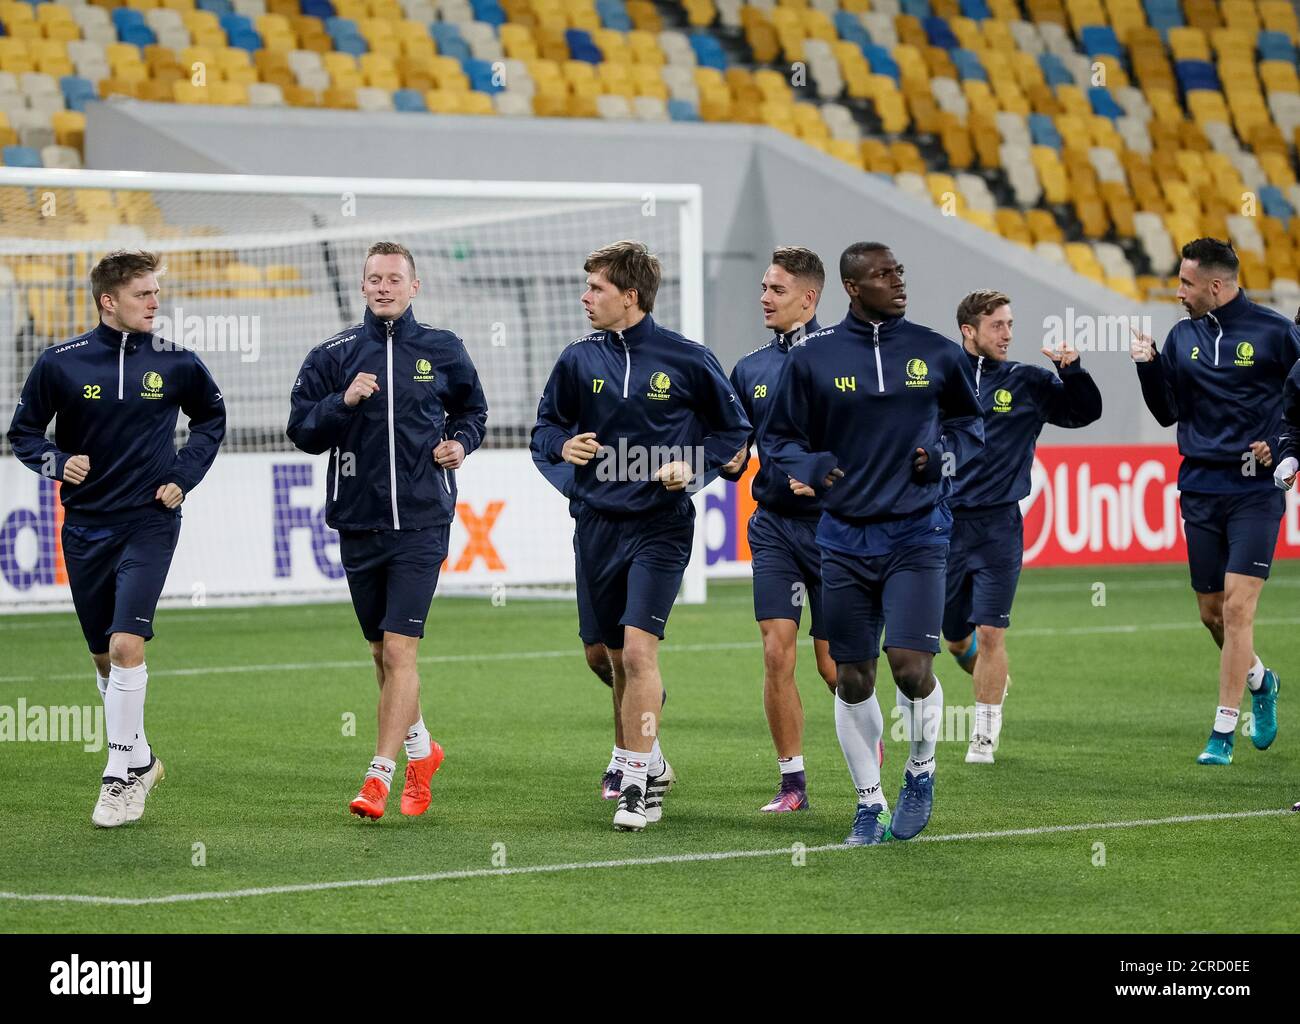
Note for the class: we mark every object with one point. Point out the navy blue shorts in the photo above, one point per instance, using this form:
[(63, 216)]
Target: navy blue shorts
[(392, 575), (1230, 533), (787, 568), (116, 574), (633, 568), (984, 561), (588, 627), (901, 592)]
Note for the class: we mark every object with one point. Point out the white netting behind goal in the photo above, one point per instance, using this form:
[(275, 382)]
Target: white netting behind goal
[(260, 273)]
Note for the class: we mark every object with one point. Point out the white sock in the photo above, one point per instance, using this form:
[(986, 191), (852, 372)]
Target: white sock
[(656, 760), (1225, 720), (102, 683), (923, 718), (614, 766), (418, 742), (123, 709), (859, 728), (988, 720), (381, 768), (633, 765), (1255, 677), (790, 765)]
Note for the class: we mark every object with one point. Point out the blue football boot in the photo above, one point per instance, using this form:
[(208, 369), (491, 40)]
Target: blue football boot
[(915, 801)]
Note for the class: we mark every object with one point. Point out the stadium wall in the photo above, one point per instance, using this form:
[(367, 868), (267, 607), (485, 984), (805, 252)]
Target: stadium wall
[(760, 189)]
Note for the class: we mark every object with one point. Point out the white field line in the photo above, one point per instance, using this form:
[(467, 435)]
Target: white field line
[(740, 645), (596, 865)]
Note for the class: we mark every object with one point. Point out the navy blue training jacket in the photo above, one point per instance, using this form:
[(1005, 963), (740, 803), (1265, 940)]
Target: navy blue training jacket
[(1290, 416), (428, 392), (863, 397), (1018, 399), (115, 398), (754, 378), (648, 390), (1220, 379)]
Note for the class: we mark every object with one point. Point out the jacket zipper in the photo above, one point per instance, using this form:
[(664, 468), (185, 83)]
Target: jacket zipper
[(392, 441), (446, 476), (121, 359), (875, 341), (1217, 337), (979, 368), (627, 363), (337, 459)]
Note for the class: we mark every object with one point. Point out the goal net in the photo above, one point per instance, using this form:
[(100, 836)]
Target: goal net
[(261, 269)]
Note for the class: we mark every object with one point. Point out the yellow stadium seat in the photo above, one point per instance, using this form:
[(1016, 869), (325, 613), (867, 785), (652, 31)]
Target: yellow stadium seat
[(183, 91)]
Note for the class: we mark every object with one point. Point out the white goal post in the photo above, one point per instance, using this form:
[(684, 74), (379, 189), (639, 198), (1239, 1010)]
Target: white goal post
[(261, 269)]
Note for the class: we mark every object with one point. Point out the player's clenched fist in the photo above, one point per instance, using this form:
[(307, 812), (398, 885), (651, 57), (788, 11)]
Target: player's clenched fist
[(675, 475), (449, 454), (580, 448), (76, 469), (1142, 348), (362, 387)]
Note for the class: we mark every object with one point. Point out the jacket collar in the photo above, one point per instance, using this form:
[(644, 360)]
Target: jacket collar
[(866, 328), (642, 330), (1234, 310), (113, 338), (401, 326), (784, 341)]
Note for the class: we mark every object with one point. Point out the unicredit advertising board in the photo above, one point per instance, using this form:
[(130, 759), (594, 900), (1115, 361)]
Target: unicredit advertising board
[(256, 526)]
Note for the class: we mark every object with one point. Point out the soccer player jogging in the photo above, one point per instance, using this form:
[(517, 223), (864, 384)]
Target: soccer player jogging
[(398, 406), (987, 546), (1288, 460), (876, 414), (1220, 377), (644, 415), (116, 392), (785, 557)]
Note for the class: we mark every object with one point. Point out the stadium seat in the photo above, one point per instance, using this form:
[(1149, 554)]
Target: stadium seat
[(20, 156)]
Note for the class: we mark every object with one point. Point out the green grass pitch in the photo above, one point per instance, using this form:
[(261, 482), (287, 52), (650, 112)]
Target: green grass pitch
[(1109, 707)]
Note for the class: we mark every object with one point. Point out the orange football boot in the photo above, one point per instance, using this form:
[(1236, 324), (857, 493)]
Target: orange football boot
[(370, 801), (415, 794)]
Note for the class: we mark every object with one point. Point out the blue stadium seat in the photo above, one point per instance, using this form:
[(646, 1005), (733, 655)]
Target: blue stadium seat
[(1103, 103), (678, 110), (1054, 71), (1276, 204), (124, 17), (77, 92), (882, 63), (708, 51), (409, 101), (137, 35), (217, 7), (1042, 131), (1100, 40), (1164, 15), (968, 65), (940, 33), (1196, 74), (20, 156), (582, 46), (1276, 46), (488, 11), (336, 27), (850, 29), (976, 10), (245, 40), (916, 8), (354, 45), (236, 23), (318, 9), (479, 73), (450, 42)]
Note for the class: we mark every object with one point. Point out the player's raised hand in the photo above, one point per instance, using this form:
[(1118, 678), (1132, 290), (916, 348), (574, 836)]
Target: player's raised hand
[(580, 448), (1142, 348), (1063, 355), (170, 495), (675, 475), (1262, 454), (736, 462), (76, 469), (362, 387), (449, 454)]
